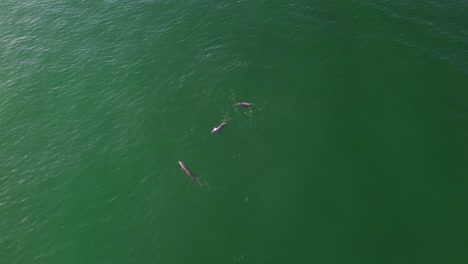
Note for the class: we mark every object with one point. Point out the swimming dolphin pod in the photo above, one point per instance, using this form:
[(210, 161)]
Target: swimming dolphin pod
[(215, 130)]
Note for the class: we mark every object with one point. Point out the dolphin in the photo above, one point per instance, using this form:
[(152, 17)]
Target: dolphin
[(188, 172), (243, 104), (218, 128)]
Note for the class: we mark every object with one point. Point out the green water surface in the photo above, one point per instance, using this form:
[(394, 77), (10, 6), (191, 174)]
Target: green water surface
[(355, 150)]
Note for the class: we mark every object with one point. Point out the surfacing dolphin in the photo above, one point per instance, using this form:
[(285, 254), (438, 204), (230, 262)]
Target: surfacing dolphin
[(218, 128), (188, 172), (244, 104)]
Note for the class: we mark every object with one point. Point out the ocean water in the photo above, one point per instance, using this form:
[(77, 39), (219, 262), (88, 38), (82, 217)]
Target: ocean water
[(355, 151)]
